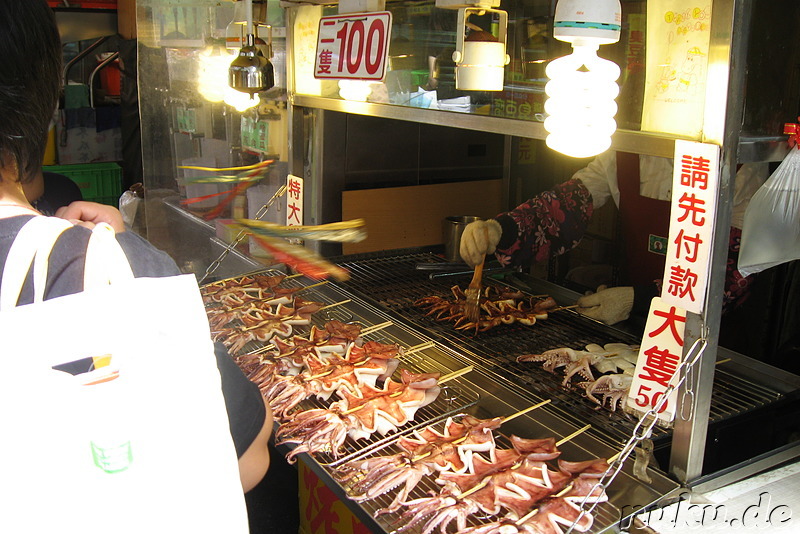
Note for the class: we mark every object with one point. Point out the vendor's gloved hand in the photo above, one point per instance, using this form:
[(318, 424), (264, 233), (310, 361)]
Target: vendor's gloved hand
[(609, 305), (479, 239)]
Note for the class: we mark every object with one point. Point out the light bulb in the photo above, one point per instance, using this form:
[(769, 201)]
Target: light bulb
[(212, 80), (212, 73), (356, 90), (580, 104), (238, 100)]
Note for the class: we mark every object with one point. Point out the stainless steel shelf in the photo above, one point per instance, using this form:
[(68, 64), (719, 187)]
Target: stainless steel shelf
[(751, 149)]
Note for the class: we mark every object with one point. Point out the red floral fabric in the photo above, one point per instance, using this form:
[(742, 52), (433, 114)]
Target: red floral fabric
[(549, 224)]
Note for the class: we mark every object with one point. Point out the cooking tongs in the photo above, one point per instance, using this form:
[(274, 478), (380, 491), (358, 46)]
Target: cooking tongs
[(453, 269)]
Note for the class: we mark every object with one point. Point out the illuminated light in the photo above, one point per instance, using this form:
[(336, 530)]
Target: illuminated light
[(580, 104), (582, 89), (212, 72), (212, 79), (355, 90), (238, 100)]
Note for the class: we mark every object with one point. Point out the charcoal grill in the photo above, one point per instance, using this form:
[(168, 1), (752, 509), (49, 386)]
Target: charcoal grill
[(391, 281)]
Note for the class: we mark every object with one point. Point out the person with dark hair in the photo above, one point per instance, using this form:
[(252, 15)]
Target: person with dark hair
[(49, 191), (30, 82)]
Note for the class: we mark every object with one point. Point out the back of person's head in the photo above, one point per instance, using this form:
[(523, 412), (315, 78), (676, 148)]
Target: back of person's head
[(30, 81)]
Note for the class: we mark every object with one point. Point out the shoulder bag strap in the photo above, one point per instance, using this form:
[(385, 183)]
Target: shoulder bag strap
[(106, 262), (35, 240)]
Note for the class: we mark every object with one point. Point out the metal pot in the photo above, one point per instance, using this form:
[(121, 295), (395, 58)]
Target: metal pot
[(452, 228)]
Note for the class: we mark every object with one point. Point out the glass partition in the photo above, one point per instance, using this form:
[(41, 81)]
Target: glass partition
[(200, 138), (421, 70)]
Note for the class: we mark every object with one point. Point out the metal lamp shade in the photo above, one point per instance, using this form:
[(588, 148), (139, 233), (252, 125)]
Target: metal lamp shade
[(251, 72)]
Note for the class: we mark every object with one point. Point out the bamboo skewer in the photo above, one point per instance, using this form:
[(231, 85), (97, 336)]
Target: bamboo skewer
[(571, 306), (521, 521), (312, 285), (576, 433), (329, 306), (505, 419), (237, 277), (475, 488), (417, 348), (486, 480), (456, 374), (254, 303), (442, 380), (526, 410), (369, 330), (249, 273), (375, 328), (293, 317)]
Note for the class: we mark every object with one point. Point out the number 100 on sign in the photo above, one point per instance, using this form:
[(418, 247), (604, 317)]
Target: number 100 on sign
[(354, 46)]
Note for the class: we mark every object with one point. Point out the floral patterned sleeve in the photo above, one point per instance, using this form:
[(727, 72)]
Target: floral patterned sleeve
[(737, 287), (549, 224)]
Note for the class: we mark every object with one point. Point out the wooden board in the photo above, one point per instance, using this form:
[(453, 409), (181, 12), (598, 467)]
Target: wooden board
[(400, 217)]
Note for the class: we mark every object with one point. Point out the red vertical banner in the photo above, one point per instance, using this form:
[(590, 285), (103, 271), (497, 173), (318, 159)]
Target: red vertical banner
[(695, 183)]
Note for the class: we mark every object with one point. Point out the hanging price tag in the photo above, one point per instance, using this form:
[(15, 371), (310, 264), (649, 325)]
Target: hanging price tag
[(353, 46)]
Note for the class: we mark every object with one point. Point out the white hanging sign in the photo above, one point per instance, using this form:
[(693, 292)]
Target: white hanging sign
[(353, 46), (677, 68), (695, 181), (294, 200), (660, 355)]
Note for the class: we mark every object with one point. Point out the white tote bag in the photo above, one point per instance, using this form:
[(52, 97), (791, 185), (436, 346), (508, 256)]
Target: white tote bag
[(145, 445)]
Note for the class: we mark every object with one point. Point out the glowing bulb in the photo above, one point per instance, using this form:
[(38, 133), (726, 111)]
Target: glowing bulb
[(356, 90), (238, 100), (580, 103), (212, 80), (212, 73)]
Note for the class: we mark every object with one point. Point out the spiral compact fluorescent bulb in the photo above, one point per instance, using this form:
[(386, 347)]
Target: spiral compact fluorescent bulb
[(582, 86), (580, 104)]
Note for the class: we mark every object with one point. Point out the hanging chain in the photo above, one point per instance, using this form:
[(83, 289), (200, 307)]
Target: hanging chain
[(645, 425), (241, 235), (687, 399)]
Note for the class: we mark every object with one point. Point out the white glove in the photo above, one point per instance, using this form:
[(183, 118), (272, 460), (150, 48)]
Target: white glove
[(479, 239), (609, 305)]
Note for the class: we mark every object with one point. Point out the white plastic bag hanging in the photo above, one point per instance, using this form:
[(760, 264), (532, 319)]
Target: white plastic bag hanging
[(771, 229)]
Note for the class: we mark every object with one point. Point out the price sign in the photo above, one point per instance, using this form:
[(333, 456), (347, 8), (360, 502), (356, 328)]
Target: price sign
[(660, 355), (353, 46)]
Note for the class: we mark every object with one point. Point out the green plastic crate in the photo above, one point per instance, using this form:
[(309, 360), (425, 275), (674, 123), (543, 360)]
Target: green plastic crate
[(98, 182)]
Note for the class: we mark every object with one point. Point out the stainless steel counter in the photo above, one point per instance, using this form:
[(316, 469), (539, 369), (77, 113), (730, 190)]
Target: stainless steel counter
[(482, 393)]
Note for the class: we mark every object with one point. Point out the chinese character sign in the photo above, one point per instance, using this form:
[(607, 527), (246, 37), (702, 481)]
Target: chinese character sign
[(353, 46), (294, 200), (659, 357), (695, 181)]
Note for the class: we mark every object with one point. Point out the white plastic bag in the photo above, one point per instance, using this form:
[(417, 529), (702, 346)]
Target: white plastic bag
[(771, 230), (166, 462)]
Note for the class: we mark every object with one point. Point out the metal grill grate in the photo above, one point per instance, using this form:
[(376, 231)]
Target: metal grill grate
[(393, 282), (605, 515), (455, 396)]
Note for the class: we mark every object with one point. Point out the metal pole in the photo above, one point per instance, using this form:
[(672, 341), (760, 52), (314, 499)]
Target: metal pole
[(730, 29)]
